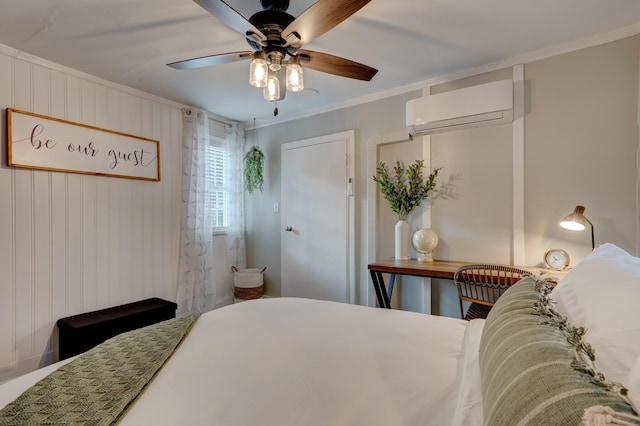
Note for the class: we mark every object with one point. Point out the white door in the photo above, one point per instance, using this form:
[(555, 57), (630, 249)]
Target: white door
[(317, 218)]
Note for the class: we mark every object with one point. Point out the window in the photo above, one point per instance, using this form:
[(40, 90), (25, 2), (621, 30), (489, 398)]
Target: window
[(217, 176)]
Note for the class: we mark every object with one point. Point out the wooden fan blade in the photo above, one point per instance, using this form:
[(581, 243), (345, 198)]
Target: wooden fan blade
[(318, 19), (233, 19), (336, 65), (206, 61)]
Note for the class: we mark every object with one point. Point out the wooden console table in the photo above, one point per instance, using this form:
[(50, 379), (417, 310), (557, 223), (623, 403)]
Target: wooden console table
[(437, 269)]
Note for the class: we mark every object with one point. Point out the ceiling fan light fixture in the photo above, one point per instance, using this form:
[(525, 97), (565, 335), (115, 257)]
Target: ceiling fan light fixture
[(276, 39), (272, 89), (258, 71), (295, 79), (274, 59)]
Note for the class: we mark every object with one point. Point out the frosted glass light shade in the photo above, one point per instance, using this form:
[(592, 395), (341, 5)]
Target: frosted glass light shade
[(258, 72), (294, 78), (272, 89)]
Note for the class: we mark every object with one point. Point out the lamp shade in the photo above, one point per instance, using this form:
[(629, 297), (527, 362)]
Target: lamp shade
[(577, 221)]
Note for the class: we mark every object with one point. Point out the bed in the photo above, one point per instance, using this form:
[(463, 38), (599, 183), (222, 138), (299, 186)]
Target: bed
[(290, 361)]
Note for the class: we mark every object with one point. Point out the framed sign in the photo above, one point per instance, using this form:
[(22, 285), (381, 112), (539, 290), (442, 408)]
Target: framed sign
[(40, 142)]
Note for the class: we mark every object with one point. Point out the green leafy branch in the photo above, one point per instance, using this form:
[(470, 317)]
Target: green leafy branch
[(406, 188)]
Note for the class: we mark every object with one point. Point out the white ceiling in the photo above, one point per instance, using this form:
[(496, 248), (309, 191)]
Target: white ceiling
[(408, 41)]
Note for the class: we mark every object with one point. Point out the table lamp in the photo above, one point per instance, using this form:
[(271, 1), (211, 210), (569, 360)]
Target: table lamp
[(576, 221)]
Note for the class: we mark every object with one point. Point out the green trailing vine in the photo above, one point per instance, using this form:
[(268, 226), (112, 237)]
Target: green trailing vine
[(406, 188), (253, 169)]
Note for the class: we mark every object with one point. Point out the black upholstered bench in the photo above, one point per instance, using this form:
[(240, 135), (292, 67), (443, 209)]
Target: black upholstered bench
[(79, 333)]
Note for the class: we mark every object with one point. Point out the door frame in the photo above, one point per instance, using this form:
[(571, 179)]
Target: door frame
[(349, 138)]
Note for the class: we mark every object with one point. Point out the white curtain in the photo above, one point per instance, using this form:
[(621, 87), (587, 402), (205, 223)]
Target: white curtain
[(235, 231), (204, 278)]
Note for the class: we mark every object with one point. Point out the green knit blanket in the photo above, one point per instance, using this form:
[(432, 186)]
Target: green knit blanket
[(100, 385)]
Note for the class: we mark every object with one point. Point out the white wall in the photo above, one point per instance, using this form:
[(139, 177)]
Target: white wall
[(582, 147), (72, 243)]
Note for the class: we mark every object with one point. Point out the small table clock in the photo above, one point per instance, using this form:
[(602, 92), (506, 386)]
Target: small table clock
[(557, 259)]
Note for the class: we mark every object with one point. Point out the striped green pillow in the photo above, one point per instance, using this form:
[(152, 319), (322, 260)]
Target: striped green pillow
[(535, 367)]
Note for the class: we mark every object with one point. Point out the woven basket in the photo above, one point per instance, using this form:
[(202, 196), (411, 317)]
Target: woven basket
[(248, 283)]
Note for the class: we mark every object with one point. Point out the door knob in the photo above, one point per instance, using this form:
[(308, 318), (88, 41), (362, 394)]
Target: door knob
[(288, 229)]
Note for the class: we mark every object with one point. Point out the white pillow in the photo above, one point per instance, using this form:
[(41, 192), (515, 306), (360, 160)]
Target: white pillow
[(601, 293)]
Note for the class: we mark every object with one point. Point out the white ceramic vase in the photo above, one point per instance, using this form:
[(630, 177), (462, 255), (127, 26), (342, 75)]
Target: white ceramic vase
[(402, 240)]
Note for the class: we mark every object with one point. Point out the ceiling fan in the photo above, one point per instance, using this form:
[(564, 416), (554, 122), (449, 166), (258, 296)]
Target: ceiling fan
[(276, 39)]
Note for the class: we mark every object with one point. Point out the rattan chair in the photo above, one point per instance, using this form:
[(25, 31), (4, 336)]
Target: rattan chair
[(482, 285)]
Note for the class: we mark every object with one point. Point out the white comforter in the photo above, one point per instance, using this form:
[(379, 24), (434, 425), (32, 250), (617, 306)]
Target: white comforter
[(286, 361)]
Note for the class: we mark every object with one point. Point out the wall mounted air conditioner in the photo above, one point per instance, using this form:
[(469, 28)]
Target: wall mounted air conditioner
[(481, 105)]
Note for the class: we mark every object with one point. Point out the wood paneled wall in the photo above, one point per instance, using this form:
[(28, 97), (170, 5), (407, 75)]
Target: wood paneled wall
[(72, 243)]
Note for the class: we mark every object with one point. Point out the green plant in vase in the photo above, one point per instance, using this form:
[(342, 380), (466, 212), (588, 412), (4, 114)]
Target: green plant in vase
[(253, 169), (404, 189)]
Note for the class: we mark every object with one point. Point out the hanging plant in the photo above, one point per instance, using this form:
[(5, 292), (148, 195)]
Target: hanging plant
[(253, 167)]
